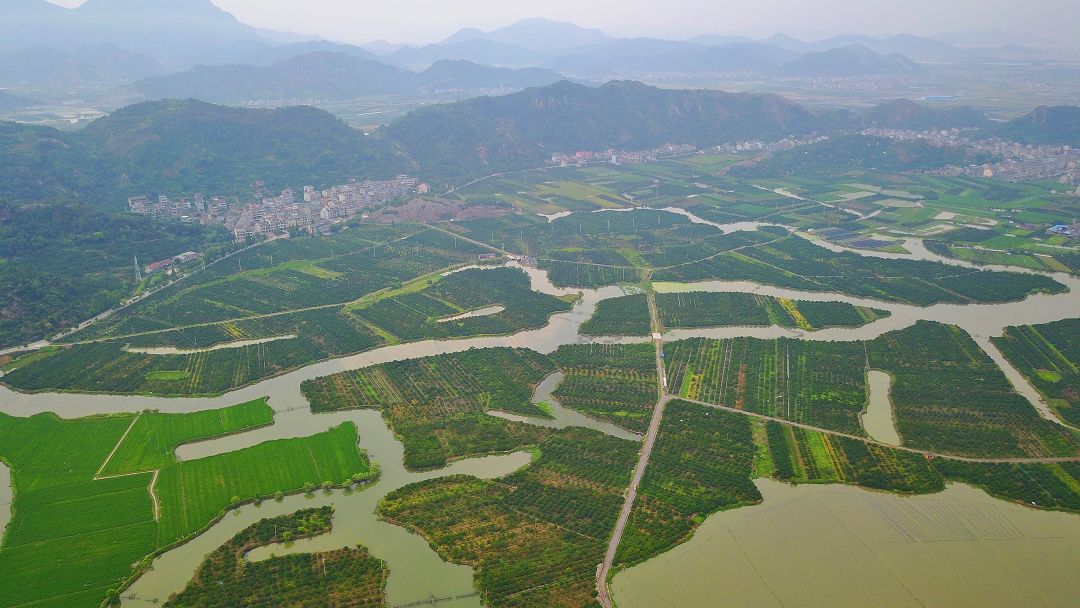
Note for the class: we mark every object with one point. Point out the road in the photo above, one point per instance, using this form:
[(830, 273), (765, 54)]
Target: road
[(647, 444)]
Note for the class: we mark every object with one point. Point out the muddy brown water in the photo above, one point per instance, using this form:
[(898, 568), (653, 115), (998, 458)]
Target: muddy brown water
[(825, 546)]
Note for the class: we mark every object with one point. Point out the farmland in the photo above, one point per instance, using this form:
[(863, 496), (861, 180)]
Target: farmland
[(437, 404), (345, 577), (616, 383), (123, 366), (71, 538), (195, 492), (1048, 356), (535, 537), (701, 464), (703, 309), (153, 438), (76, 534), (803, 456), (817, 383), (625, 316), (950, 397)]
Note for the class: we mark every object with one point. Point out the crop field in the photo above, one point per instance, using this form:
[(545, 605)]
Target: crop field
[(112, 368), (703, 309), (534, 537), (1047, 355), (1048, 486), (76, 534), (319, 334), (345, 577), (796, 263), (71, 538), (194, 492), (295, 275), (803, 456), (437, 404), (153, 438), (950, 397), (611, 382), (422, 314), (625, 316), (817, 383), (701, 464)]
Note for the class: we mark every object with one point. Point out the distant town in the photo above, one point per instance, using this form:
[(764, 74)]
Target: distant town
[(638, 157), (312, 211), (1017, 162)]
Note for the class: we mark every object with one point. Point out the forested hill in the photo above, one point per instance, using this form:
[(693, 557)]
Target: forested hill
[(184, 147), (1058, 125), (455, 139)]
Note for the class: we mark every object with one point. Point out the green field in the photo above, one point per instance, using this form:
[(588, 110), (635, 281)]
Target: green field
[(1049, 356), (75, 535), (154, 437)]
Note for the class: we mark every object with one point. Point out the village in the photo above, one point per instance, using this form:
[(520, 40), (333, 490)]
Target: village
[(1015, 162), (640, 157), (312, 211)]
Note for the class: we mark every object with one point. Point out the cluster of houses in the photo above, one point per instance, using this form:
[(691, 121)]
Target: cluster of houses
[(624, 157), (311, 210), (621, 157), (1016, 162)]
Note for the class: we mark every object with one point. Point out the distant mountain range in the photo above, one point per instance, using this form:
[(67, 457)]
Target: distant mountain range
[(853, 60), (187, 146), (323, 77), (179, 33), (90, 65)]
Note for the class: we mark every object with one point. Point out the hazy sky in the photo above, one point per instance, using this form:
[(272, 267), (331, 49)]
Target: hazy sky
[(431, 20)]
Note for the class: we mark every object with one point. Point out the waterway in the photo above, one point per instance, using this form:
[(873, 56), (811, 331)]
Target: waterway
[(878, 419), (827, 546), (479, 312), (416, 572), (172, 350), (561, 416)]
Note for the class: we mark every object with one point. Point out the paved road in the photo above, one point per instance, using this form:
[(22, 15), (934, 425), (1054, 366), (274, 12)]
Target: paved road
[(643, 461)]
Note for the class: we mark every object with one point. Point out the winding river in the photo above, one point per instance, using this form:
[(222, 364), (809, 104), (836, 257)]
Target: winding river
[(416, 571)]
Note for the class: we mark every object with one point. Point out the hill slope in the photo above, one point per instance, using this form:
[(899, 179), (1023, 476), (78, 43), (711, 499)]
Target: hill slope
[(853, 60), (1045, 125), (526, 127), (185, 146)]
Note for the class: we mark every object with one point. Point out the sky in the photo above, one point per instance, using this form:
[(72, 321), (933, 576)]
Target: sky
[(418, 21)]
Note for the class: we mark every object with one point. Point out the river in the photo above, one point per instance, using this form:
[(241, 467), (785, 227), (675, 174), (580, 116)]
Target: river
[(416, 572), (826, 546), (415, 562)]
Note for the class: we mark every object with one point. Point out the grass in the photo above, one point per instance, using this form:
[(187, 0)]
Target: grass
[(72, 537), (152, 440), (195, 492)]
